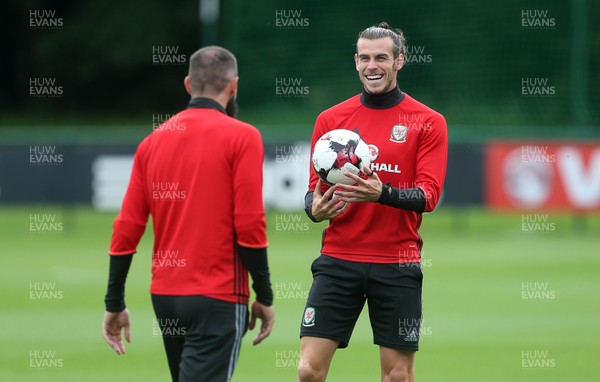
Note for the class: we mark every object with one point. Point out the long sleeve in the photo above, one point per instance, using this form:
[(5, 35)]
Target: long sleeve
[(130, 223), (431, 159), (258, 266), (117, 275), (248, 209)]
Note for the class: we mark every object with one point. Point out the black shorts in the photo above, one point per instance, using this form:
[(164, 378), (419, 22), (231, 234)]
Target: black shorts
[(340, 289), (202, 336)]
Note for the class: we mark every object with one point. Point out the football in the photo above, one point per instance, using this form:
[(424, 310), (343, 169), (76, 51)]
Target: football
[(339, 151)]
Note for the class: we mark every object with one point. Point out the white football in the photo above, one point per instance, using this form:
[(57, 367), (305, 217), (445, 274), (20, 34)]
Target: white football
[(339, 151)]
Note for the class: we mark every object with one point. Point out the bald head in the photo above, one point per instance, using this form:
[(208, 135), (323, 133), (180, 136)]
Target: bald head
[(211, 69)]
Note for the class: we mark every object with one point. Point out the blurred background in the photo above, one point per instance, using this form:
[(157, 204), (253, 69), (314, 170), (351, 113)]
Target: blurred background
[(90, 78), (511, 253)]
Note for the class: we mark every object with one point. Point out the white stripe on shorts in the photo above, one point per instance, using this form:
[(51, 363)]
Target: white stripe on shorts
[(239, 332)]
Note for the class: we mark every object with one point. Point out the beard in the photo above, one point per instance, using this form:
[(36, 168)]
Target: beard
[(231, 108)]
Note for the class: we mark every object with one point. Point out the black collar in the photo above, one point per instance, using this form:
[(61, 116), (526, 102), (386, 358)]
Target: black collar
[(205, 103), (382, 101)]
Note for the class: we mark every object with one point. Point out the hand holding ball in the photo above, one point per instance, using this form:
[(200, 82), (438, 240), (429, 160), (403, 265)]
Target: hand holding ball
[(339, 151)]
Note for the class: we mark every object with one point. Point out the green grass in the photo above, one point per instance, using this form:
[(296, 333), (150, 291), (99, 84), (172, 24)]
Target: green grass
[(476, 323)]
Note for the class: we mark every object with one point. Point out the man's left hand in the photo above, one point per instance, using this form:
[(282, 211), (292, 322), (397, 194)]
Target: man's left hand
[(266, 314), (112, 327), (365, 190)]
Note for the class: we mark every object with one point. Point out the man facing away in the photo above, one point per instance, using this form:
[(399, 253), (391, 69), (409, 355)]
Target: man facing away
[(200, 177), (371, 247)]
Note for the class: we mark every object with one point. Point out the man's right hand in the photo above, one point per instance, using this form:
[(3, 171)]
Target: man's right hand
[(327, 206)]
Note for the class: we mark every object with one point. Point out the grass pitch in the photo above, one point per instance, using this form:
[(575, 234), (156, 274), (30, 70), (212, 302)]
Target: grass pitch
[(503, 300)]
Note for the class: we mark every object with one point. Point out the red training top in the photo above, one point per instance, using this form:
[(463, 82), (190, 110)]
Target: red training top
[(200, 177), (410, 142)]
